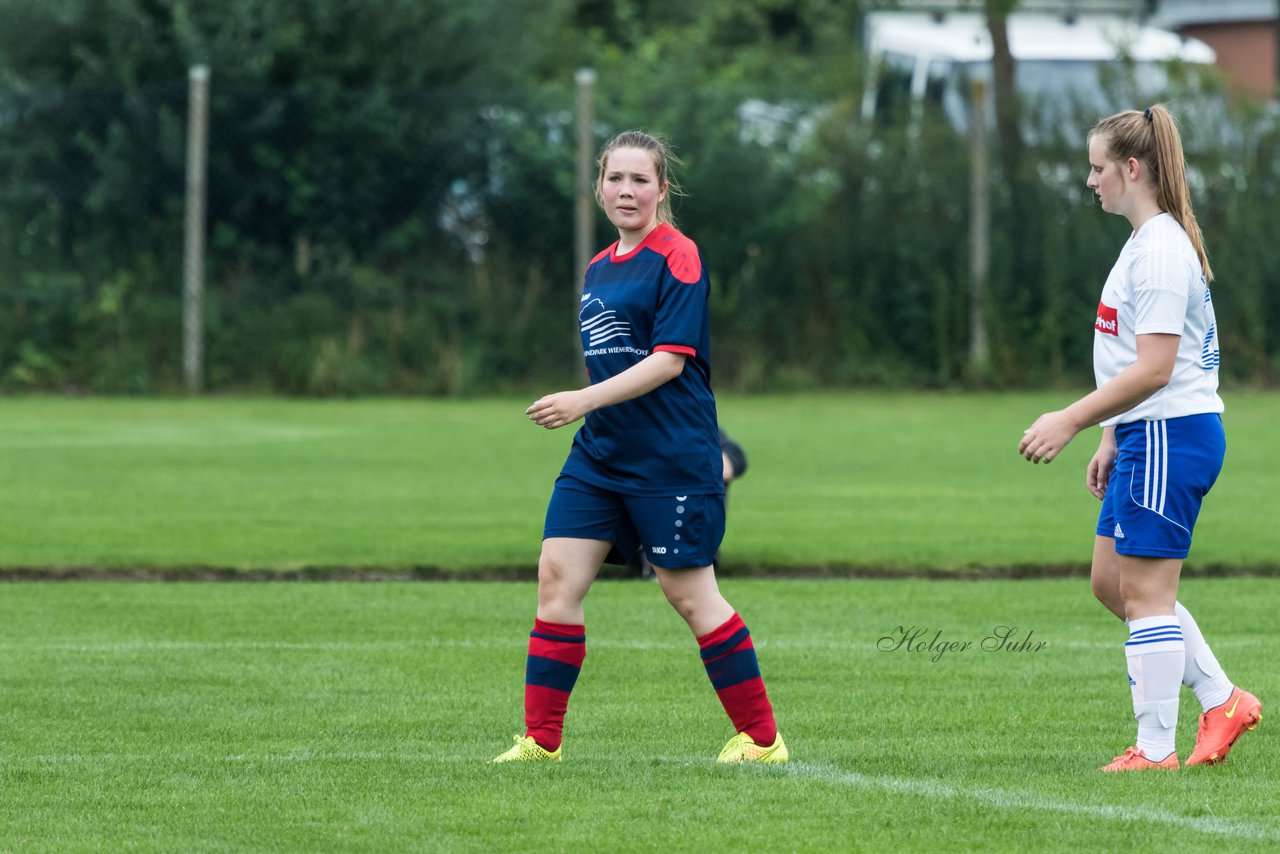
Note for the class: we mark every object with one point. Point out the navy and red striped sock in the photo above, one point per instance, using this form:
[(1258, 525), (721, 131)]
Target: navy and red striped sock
[(730, 659), (556, 652)]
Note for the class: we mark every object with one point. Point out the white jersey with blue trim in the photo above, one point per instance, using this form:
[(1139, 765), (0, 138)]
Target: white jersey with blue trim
[(1157, 286)]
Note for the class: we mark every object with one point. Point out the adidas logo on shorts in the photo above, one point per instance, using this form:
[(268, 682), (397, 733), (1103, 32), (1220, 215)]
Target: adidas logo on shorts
[(1119, 535)]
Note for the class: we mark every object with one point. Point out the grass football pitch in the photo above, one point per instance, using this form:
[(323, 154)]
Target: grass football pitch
[(359, 717), (836, 481)]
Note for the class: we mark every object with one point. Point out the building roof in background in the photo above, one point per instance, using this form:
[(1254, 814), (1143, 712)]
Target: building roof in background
[(1051, 7), (1173, 14), (964, 37)]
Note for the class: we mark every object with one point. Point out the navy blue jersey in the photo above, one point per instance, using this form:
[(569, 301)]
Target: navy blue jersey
[(665, 442)]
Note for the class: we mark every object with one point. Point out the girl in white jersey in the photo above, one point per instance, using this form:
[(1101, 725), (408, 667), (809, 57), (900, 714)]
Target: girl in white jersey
[(1155, 358)]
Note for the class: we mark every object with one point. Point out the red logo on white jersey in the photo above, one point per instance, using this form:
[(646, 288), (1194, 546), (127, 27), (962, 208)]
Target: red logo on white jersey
[(1106, 322)]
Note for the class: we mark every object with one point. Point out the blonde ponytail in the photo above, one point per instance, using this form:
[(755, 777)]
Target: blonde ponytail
[(1152, 138)]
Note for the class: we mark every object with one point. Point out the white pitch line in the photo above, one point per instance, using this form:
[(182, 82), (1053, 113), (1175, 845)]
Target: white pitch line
[(515, 641), (1013, 801)]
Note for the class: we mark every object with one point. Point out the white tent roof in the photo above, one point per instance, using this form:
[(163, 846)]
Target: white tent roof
[(964, 37)]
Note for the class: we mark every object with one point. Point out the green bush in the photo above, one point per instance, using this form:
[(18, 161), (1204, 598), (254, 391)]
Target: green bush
[(374, 229)]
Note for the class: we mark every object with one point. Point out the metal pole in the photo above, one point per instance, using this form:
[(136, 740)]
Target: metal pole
[(979, 233), (193, 249), (585, 209)]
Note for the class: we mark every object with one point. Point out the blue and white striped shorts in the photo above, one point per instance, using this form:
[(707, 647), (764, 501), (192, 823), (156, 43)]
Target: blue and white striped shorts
[(1162, 473)]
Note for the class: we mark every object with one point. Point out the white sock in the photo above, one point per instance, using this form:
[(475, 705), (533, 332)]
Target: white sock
[(1156, 655), (1201, 672)]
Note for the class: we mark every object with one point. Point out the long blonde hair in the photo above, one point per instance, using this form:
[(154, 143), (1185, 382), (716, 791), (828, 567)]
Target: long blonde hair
[(1151, 137), (663, 160)]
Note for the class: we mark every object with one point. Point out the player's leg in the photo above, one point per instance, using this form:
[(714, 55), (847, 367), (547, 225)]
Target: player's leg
[(1165, 469), (1195, 447), (729, 657), (681, 535), (1155, 651), (1149, 548), (1149, 587), (1201, 672), (581, 524), (566, 569), (1152, 649), (696, 597), (1228, 710), (557, 644), (1104, 575)]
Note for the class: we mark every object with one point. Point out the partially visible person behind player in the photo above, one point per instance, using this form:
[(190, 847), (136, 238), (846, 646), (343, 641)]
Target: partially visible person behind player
[(645, 467), (734, 460), (1155, 356)]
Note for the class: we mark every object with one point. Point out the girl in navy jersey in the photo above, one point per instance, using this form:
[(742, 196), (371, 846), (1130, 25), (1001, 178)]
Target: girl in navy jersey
[(1155, 357), (645, 468)]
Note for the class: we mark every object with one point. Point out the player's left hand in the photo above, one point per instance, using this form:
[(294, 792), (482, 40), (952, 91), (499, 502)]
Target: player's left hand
[(557, 410), (1046, 438)]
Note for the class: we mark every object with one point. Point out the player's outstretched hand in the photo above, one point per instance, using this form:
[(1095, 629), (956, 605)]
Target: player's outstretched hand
[(557, 410), (1046, 438)]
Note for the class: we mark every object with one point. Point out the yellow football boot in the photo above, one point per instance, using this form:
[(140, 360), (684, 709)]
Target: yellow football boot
[(527, 750), (741, 748)]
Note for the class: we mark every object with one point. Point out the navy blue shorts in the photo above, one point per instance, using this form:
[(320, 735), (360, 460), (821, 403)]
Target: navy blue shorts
[(1163, 471), (676, 531)]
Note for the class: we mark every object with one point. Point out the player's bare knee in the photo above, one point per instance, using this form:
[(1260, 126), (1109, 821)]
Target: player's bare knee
[(1141, 598), (1099, 589), (1130, 594), (686, 605), (1107, 591), (551, 578)]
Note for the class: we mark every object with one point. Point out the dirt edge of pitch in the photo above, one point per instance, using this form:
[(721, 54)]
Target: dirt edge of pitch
[(433, 573)]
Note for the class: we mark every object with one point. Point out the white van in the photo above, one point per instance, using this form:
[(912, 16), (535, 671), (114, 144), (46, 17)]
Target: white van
[(917, 57)]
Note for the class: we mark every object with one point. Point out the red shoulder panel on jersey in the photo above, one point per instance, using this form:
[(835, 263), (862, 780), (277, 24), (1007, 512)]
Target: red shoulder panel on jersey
[(604, 252), (675, 348), (680, 252)]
